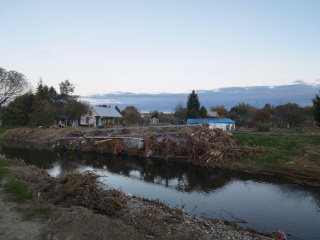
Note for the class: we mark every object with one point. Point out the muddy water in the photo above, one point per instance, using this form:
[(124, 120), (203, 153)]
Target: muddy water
[(265, 203)]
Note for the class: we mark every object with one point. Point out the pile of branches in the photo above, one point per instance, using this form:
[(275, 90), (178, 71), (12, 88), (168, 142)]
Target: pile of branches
[(200, 146), (84, 189)]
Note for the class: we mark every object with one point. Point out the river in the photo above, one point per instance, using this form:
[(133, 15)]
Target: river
[(265, 203)]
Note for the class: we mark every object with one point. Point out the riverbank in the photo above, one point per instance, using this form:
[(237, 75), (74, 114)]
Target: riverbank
[(292, 156), (77, 206)]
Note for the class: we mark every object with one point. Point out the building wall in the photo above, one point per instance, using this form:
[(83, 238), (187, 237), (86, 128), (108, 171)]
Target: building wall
[(222, 126), (89, 119)]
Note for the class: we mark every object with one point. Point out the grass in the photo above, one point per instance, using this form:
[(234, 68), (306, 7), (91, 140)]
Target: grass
[(18, 190), (42, 213), (3, 172), (4, 162), (279, 148)]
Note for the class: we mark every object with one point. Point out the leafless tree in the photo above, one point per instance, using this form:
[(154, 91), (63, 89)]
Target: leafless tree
[(12, 84)]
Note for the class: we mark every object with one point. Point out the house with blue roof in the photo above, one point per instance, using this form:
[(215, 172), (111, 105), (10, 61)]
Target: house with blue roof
[(224, 124), (100, 116)]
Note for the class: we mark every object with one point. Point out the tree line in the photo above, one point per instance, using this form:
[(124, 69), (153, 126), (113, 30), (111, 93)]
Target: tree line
[(19, 105), (281, 116)]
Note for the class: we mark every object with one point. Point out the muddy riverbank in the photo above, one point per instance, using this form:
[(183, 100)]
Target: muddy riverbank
[(83, 209)]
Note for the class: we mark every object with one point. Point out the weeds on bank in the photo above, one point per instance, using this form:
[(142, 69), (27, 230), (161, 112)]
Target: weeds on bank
[(280, 148), (35, 212), (17, 189), (3, 163), (3, 172), (18, 192)]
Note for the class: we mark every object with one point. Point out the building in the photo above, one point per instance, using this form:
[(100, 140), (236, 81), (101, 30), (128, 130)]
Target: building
[(100, 116), (224, 124)]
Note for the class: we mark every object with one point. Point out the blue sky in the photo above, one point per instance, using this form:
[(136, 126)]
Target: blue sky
[(148, 47)]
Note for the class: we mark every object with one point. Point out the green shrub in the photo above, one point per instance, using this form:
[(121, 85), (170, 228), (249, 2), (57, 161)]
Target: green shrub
[(263, 127)]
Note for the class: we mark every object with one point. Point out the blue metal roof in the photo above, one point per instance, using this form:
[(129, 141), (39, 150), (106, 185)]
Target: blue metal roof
[(227, 120)]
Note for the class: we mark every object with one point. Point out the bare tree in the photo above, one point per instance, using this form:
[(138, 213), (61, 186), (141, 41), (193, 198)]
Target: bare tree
[(12, 84)]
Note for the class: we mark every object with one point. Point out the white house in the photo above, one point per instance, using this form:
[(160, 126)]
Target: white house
[(224, 124), (99, 116)]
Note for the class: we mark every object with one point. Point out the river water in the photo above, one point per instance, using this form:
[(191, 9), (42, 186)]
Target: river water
[(264, 202)]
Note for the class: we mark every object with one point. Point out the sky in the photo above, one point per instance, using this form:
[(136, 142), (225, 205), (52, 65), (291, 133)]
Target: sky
[(163, 48)]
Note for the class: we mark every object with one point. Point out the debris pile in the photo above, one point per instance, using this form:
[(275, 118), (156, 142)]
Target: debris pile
[(74, 189), (84, 189), (117, 215), (198, 145)]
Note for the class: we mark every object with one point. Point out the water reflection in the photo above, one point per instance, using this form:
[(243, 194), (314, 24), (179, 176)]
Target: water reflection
[(180, 176), (267, 203)]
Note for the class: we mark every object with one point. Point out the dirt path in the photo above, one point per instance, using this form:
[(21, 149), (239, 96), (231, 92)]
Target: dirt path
[(47, 136), (12, 226)]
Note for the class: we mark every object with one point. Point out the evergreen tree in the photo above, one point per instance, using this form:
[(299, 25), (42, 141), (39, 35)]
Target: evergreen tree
[(193, 106), (45, 93), (316, 107), (118, 109), (203, 112)]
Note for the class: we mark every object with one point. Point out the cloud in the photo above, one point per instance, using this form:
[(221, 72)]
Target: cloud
[(44, 53), (299, 92)]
